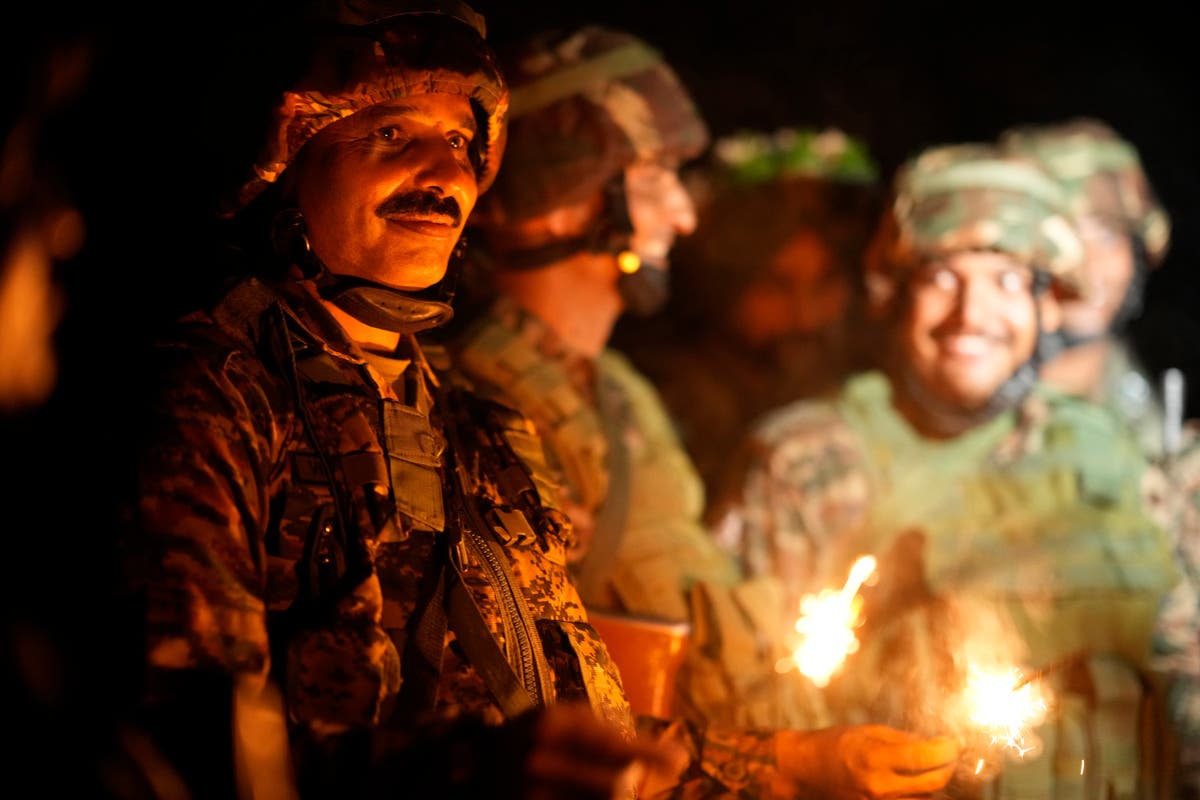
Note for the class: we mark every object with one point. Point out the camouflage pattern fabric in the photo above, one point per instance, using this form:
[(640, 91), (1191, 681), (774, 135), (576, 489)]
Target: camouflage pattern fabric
[(584, 107), (1102, 175), (973, 196), (248, 568), (666, 566), (1128, 391), (1036, 537), (368, 53), (1182, 469)]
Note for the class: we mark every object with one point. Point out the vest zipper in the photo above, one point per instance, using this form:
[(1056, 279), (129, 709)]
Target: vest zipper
[(516, 617)]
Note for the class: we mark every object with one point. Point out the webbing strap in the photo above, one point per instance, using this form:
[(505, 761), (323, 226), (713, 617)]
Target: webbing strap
[(484, 654), (450, 606), (614, 510)]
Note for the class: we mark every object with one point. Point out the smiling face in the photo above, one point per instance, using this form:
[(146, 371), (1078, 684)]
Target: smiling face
[(971, 322), (386, 191)]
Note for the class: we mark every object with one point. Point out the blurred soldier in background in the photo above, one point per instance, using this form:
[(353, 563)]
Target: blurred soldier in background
[(765, 304), (576, 231), (1125, 232), (1013, 525)]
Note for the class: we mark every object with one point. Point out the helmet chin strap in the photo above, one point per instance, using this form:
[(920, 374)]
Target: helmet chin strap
[(371, 303), (384, 307), (644, 289)]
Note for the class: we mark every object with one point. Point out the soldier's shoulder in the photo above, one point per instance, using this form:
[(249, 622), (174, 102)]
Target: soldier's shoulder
[(218, 348), (808, 418), (1067, 413), (802, 431), (616, 366), (230, 321), (640, 391)]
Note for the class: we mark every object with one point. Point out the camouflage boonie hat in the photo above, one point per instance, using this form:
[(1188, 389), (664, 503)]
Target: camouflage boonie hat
[(585, 105), (366, 52), (974, 197), (1102, 174)]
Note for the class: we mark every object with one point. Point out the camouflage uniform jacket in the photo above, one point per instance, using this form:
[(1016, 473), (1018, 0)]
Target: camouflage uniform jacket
[(296, 512), (1028, 538), (664, 564)]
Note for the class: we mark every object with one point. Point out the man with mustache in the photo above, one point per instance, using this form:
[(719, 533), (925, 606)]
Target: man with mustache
[(350, 567), (1014, 526)]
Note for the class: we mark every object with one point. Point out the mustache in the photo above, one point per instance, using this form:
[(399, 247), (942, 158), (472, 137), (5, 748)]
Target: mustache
[(420, 203)]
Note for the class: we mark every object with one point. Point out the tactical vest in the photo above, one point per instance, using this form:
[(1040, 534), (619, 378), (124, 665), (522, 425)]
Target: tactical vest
[(651, 556), (1040, 532), (414, 553)]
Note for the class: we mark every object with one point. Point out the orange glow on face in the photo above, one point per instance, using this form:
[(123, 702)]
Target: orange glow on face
[(826, 625)]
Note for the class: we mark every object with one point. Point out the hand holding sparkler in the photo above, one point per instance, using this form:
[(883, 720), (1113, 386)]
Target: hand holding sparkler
[(865, 761)]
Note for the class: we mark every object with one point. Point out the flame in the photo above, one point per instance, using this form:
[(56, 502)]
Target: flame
[(826, 625), (1005, 707)]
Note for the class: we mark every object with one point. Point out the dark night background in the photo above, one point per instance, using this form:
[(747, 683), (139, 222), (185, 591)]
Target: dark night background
[(176, 104)]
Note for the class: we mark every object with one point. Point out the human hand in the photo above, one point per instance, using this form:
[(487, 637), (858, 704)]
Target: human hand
[(864, 762), (575, 755)]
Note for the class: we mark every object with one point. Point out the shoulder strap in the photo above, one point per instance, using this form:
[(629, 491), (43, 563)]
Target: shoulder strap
[(613, 513)]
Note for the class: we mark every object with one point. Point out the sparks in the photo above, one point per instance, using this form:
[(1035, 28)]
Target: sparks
[(1005, 706), (826, 625)]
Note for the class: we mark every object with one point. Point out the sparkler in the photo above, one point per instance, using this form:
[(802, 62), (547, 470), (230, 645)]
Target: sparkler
[(826, 625), (1006, 706)]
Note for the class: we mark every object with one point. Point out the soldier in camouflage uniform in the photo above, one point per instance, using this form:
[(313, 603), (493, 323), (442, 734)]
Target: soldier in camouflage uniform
[(1125, 233), (352, 570), (1013, 524), (577, 230)]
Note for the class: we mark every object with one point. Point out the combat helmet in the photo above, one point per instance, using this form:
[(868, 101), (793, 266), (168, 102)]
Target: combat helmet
[(1102, 175), (358, 53), (973, 196), (586, 104)]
